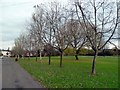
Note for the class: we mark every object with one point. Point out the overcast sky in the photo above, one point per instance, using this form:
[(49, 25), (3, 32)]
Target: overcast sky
[(13, 17)]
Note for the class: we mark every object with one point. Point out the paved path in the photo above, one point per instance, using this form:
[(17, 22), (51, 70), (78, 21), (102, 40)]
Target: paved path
[(13, 76), (0, 73)]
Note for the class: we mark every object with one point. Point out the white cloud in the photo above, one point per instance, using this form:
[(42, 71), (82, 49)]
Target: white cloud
[(5, 45), (13, 16), (116, 42)]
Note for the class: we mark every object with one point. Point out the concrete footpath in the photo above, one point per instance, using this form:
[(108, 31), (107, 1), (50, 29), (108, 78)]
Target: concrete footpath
[(13, 76), (0, 73)]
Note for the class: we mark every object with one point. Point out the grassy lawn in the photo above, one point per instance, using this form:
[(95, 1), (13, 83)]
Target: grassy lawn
[(74, 74)]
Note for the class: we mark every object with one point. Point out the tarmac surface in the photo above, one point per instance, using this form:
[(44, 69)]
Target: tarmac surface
[(0, 73), (13, 76)]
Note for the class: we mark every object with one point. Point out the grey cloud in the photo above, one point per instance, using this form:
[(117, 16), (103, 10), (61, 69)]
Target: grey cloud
[(9, 36), (13, 16)]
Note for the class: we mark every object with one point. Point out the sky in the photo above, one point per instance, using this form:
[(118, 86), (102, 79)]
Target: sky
[(13, 17)]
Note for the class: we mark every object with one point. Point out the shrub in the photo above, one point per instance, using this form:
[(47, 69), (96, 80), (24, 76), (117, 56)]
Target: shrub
[(69, 52)]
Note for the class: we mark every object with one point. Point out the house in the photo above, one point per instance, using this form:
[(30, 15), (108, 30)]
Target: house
[(6, 53)]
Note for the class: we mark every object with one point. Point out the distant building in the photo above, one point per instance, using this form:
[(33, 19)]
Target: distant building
[(6, 53)]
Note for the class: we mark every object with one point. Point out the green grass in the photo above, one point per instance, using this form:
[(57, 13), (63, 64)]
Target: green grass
[(74, 74)]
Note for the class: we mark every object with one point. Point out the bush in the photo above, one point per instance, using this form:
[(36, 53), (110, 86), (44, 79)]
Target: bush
[(69, 52), (108, 52), (90, 53), (83, 51)]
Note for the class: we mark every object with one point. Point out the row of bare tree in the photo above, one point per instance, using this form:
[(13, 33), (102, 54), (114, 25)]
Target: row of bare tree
[(90, 23)]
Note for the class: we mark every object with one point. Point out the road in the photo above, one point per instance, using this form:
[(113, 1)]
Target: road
[(0, 73), (13, 76)]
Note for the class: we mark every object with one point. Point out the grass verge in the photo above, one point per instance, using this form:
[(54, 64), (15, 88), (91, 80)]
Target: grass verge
[(74, 74)]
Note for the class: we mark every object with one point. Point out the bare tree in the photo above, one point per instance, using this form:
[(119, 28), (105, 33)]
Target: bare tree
[(60, 31), (76, 35), (28, 45), (19, 48), (50, 17), (55, 34), (61, 42), (36, 29), (100, 22)]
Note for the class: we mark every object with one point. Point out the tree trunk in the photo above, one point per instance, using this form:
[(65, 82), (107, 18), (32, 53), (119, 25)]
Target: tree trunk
[(36, 57), (94, 64), (61, 54), (76, 55), (49, 58), (29, 56), (40, 56)]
